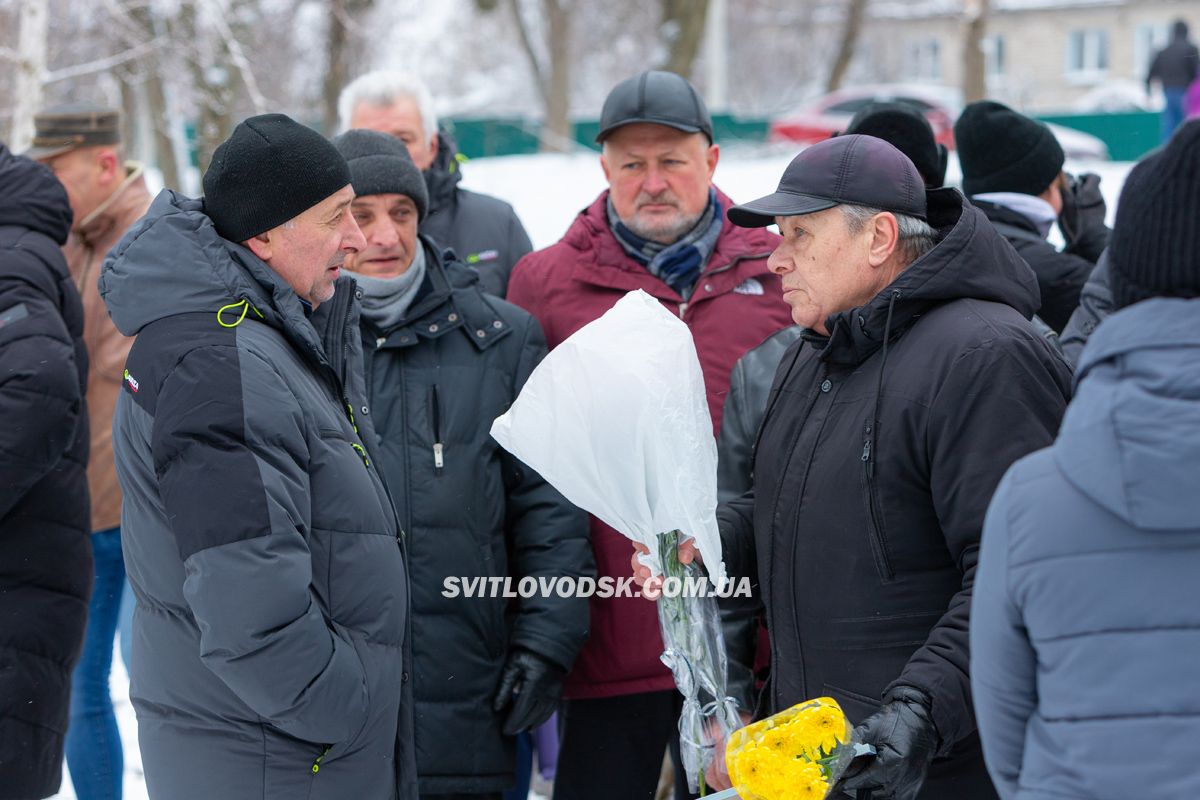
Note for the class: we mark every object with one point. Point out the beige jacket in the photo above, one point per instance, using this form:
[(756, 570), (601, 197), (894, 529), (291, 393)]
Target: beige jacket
[(91, 239)]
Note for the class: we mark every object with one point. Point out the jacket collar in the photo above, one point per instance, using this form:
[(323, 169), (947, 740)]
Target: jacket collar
[(119, 210), (449, 300), (604, 262)]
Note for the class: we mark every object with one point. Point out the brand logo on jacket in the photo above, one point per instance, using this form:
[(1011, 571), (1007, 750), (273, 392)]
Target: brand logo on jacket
[(749, 286), (129, 379)]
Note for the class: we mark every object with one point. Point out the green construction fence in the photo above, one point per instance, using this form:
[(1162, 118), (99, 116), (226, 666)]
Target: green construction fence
[(1129, 135)]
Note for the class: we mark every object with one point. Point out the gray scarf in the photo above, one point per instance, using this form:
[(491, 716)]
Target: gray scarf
[(385, 301)]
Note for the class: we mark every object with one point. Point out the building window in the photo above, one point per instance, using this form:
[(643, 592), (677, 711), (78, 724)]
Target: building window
[(924, 61), (993, 56), (1147, 41), (1087, 54)]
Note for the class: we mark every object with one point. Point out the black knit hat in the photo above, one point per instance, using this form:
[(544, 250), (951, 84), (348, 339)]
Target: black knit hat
[(908, 131), (1155, 245), (1003, 151), (269, 170), (380, 164)]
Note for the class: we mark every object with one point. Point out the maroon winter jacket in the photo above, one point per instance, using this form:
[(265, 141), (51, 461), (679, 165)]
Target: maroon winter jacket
[(736, 304)]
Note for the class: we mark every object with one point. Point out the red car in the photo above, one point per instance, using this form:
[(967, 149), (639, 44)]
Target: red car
[(832, 113)]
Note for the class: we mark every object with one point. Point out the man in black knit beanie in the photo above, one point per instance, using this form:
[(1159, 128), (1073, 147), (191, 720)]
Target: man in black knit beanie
[(272, 635), (1013, 171)]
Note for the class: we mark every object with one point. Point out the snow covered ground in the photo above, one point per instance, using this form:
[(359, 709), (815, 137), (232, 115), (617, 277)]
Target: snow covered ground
[(547, 192)]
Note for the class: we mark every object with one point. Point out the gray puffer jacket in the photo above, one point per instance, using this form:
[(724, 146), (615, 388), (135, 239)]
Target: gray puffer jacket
[(270, 653), (1085, 627)]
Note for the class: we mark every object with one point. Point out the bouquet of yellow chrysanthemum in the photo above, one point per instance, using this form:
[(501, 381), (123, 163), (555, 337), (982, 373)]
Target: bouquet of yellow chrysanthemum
[(797, 754)]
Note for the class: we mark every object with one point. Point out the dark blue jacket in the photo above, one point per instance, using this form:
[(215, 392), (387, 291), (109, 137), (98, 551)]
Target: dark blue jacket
[(1085, 629)]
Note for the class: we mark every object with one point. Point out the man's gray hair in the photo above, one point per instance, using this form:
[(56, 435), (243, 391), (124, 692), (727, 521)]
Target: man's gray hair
[(384, 87), (916, 236)]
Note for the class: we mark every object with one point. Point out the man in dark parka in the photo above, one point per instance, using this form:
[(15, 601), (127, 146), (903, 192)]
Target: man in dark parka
[(917, 381), (442, 360), (45, 553)]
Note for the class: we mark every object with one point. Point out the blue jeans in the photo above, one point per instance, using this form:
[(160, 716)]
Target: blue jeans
[(93, 745), (524, 767), (1173, 112)]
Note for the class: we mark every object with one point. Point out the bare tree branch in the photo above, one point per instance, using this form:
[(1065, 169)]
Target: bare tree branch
[(854, 16), (539, 73), (682, 26), (101, 65), (238, 56), (974, 64)]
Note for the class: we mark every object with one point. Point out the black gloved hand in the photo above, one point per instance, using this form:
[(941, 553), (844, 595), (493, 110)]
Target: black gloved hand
[(905, 741), (533, 685), (1083, 208)]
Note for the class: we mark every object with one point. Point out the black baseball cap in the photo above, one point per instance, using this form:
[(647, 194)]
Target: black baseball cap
[(662, 98), (856, 169)]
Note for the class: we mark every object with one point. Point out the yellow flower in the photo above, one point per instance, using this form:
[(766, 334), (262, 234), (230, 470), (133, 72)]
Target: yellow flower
[(778, 758)]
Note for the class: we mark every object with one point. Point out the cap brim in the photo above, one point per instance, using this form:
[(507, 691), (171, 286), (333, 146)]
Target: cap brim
[(679, 126), (42, 153), (762, 212)]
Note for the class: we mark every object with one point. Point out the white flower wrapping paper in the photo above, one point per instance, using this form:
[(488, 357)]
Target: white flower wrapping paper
[(616, 418)]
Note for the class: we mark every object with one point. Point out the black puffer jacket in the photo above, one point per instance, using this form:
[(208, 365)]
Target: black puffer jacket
[(436, 381), (483, 231), (1060, 275), (866, 534), (45, 553)]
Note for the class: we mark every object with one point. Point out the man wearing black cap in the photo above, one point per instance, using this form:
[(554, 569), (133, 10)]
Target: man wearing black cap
[(1013, 171), (81, 143), (917, 381), (439, 349), (271, 638), (660, 227)]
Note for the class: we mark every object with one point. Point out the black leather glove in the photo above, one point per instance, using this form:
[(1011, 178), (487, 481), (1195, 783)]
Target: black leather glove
[(905, 741), (1082, 217), (532, 685)]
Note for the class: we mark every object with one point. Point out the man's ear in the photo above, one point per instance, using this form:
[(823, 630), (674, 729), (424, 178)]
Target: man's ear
[(604, 167), (711, 158), (433, 144), (261, 245), (885, 235), (111, 168)]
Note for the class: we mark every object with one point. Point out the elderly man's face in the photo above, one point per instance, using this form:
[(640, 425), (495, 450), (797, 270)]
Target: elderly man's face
[(658, 178), (402, 119), (389, 223), (90, 175), (824, 267), (308, 250)]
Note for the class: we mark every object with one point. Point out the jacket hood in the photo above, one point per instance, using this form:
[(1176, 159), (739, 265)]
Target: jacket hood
[(1131, 438), (971, 260), (31, 197), (174, 262)]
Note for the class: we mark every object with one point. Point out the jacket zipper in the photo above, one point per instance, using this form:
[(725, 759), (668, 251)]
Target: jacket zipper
[(435, 419), (316, 767), (874, 516), (792, 560)]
